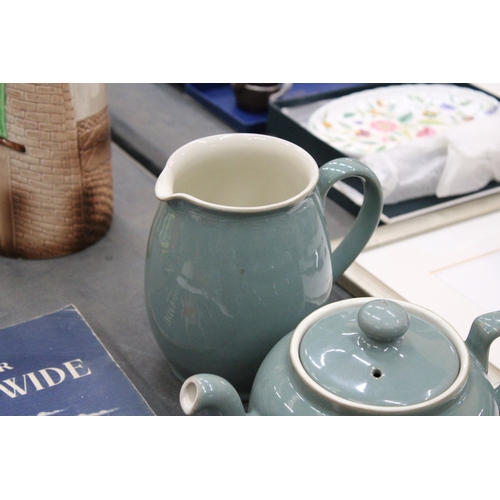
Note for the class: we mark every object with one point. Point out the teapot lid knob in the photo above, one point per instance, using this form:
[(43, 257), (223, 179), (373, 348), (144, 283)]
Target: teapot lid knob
[(383, 320)]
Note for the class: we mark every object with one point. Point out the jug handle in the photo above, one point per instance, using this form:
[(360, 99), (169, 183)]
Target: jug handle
[(369, 215), (484, 330)]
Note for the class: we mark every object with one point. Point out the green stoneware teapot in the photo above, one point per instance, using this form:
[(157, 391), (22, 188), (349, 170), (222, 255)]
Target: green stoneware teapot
[(239, 252), (365, 356)]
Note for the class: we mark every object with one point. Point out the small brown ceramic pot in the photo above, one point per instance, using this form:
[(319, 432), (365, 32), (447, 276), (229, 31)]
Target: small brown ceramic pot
[(254, 97)]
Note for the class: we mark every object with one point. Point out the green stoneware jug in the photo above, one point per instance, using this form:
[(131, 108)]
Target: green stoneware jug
[(239, 253), (365, 357)]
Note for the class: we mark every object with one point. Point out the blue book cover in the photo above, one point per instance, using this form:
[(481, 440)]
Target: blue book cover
[(55, 365)]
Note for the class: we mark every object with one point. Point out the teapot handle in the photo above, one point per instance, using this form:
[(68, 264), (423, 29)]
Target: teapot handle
[(484, 330), (369, 215)]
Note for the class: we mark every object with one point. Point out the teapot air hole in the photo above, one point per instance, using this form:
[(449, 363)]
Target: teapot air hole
[(377, 373)]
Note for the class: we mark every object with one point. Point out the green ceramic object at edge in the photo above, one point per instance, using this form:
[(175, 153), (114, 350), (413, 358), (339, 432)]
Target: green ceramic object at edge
[(365, 357), (239, 252), (3, 120)]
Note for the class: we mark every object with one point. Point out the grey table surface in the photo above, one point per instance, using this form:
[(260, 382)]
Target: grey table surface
[(151, 121), (105, 281)]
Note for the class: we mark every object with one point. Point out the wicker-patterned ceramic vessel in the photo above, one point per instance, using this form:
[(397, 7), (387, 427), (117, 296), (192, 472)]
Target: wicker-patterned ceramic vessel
[(56, 193)]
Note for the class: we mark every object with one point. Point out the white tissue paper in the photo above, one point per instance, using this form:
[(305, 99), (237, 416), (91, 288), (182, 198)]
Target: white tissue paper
[(463, 159)]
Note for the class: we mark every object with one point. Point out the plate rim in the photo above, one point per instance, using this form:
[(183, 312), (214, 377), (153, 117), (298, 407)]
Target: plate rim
[(388, 89)]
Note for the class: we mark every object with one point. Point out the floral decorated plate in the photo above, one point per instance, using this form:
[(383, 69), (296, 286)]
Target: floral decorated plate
[(382, 118)]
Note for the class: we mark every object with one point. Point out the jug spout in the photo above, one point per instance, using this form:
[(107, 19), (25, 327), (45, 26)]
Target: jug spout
[(205, 391), (484, 330)]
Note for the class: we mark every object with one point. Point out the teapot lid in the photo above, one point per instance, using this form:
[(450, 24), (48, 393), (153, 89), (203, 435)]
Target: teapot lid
[(385, 354)]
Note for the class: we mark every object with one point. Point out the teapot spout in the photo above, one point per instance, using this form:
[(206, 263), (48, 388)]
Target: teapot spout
[(205, 391), (484, 330)]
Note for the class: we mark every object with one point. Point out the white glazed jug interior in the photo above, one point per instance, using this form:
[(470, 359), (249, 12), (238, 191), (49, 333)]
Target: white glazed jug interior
[(238, 172)]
